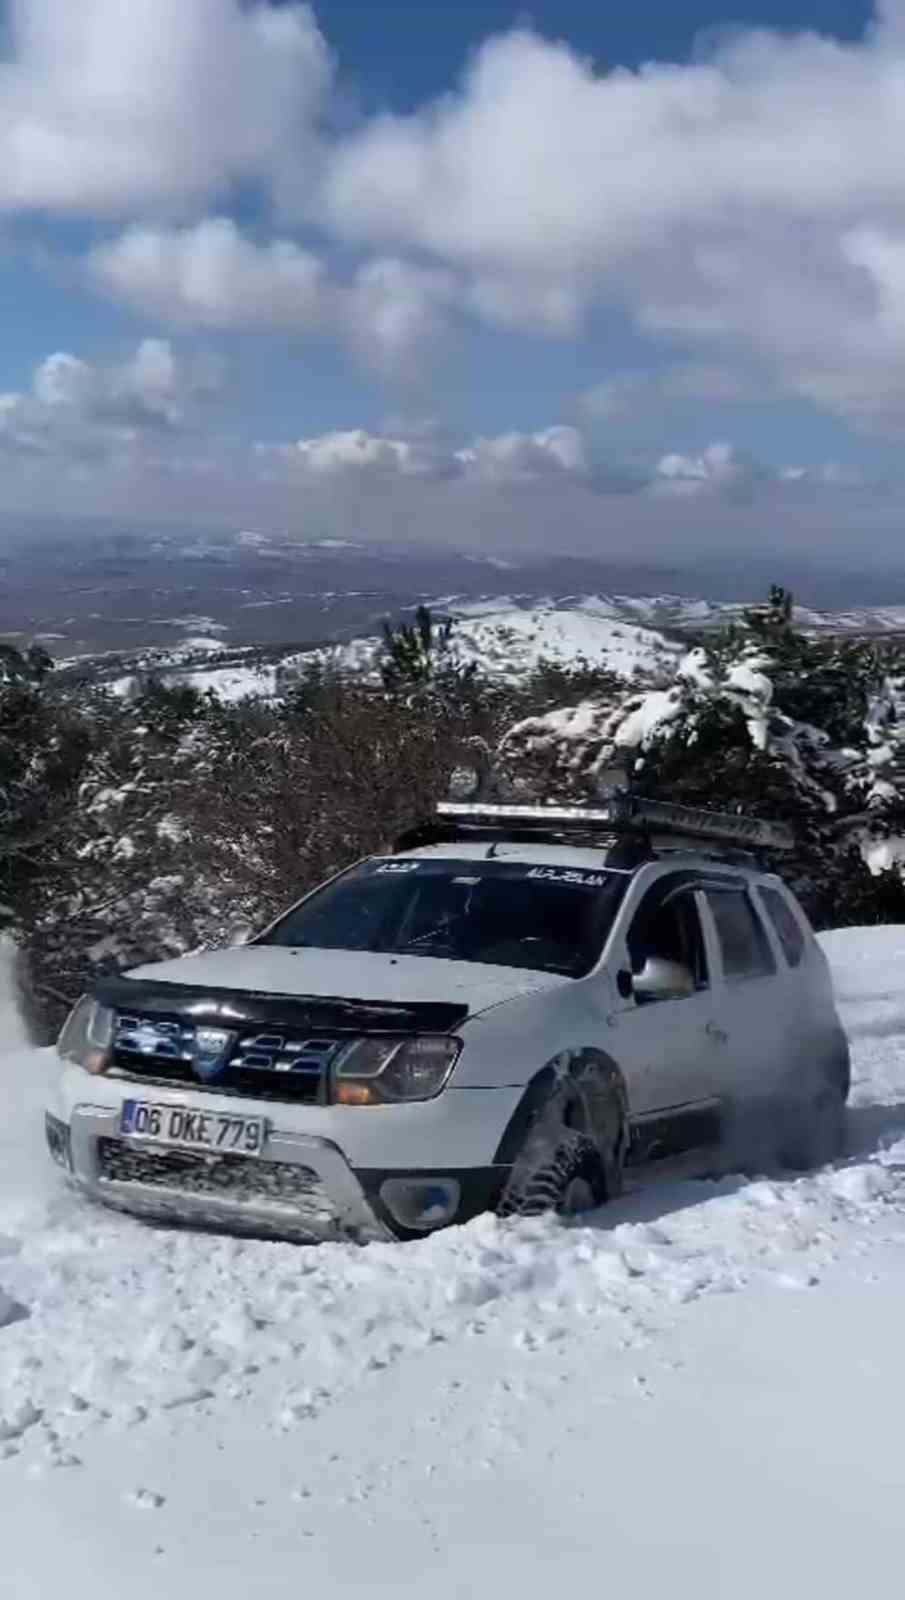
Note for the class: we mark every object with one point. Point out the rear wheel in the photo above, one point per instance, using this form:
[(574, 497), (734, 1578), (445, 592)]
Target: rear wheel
[(813, 1135), (796, 1134)]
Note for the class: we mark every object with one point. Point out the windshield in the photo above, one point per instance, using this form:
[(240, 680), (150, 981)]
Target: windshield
[(510, 914)]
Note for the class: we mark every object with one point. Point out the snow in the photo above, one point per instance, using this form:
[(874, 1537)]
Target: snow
[(882, 855), (755, 693), (648, 719), (231, 684), (695, 669), (692, 1392), (509, 641), (202, 641)]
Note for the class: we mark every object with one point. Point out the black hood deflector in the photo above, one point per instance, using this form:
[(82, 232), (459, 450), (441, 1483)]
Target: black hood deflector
[(314, 1013)]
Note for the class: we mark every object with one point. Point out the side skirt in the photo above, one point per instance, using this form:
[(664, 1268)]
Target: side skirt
[(659, 1135)]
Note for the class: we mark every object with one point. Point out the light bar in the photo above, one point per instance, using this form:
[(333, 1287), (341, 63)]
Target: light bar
[(729, 826), (628, 814)]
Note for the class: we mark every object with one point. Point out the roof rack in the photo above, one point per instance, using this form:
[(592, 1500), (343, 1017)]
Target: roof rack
[(623, 814)]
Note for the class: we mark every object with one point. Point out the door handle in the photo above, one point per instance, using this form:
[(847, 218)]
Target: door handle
[(716, 1034)]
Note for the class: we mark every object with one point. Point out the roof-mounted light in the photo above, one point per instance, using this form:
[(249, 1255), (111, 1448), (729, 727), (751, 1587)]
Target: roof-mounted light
[(626, 814)]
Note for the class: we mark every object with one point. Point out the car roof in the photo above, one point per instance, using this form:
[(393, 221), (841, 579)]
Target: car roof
[(541, 853)]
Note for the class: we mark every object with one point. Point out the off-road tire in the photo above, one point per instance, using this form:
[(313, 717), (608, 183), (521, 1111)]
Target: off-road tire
[(555, 1158), (794, 1135), (813, 1135), (535, 1190)]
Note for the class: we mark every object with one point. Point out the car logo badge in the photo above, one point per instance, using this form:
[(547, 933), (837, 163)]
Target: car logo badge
[(146, 1039), (211, 1050)]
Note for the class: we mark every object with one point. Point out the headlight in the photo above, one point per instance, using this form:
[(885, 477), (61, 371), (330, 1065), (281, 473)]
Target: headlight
[(378, 1071), (87, 1036)]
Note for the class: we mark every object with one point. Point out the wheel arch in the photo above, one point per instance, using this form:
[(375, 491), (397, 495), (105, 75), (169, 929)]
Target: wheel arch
[(585, 1074)]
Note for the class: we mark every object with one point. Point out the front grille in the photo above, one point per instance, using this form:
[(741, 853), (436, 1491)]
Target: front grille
[(272, 1065), (239, 1179)]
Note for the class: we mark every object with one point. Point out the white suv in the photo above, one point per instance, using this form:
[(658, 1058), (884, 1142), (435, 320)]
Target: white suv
[(500, 1015)]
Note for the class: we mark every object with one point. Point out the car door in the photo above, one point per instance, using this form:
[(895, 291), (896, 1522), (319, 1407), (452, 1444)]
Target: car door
[(672, 1051), (753, 1006)]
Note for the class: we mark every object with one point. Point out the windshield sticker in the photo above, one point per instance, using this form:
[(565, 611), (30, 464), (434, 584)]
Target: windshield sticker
[(587, 880), (399, 866)]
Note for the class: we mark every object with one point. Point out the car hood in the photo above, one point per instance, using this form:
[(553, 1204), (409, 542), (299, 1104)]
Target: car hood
[(350, 975)]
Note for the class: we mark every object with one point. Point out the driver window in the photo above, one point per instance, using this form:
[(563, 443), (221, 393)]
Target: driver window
[(669, 927)]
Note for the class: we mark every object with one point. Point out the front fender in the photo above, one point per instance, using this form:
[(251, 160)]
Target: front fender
[(594, 1099)]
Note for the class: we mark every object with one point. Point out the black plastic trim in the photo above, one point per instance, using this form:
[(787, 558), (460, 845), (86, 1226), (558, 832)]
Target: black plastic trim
[(481, 1188), (517, 1127), (661, 1134), (231, 1007)]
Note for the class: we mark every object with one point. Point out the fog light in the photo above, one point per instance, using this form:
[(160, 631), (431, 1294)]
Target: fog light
[(57, 1135), (421, 1203)]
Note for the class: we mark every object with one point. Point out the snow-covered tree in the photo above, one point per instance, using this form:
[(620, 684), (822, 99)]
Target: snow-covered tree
[(759, 718)]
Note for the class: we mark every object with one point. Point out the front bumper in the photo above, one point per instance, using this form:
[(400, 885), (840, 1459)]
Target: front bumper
[(304, 1185), (328, 1201)]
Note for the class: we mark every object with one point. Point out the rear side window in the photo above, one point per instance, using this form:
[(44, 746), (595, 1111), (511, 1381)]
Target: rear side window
[(789, 931), (744, 945)]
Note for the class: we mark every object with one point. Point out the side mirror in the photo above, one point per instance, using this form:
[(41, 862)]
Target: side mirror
[(660, 979)]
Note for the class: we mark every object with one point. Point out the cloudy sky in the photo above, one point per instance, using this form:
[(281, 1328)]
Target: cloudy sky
[(614, 277)]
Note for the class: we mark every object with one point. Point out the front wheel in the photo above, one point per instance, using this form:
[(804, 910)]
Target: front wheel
[(569, 1180), (561, 1168)]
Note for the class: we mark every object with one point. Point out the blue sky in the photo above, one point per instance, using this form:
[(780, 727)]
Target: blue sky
[(401, 52), (645, 265)]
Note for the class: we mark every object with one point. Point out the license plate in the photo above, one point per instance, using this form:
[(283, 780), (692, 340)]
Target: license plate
[(192, 1130)]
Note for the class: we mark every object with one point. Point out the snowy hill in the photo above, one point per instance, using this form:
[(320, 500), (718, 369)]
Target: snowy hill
[(505, 635), (696, 1384), (504, 639), (507, 641)]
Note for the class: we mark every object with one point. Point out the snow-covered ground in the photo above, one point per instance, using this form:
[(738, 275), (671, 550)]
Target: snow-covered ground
[(692, 1393), (508, 641), (504, 640), (230, 684), (505, 635)]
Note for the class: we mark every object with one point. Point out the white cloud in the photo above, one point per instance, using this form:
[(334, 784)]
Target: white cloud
[(632, 394), (355, 453), (557, 454), (749, 202), (211, 276), (115, 106), (560, 457), (526, 457), (127, 438), (77, 410), (395, 313), (719, 469), (478, 178), (825, 475), (517, 302)]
